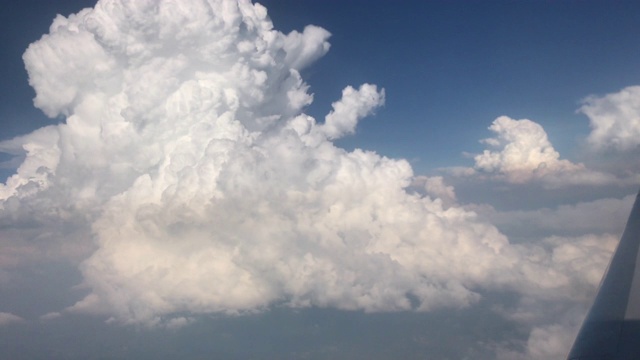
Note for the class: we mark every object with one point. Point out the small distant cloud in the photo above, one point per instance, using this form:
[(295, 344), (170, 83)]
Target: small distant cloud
[(614, 119), (50, 316), (178, 322), (8, 319), (521, 152)]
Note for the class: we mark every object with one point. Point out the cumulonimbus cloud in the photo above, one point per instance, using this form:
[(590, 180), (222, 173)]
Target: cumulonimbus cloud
[(188, 165)]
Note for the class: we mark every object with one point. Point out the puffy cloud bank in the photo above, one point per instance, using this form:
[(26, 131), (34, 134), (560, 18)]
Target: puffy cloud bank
[(189, 179)]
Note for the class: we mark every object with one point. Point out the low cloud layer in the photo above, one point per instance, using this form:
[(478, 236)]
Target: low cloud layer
[(608, 215)]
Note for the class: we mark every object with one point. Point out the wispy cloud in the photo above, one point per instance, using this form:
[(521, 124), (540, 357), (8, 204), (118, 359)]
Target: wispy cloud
[(8, 319)]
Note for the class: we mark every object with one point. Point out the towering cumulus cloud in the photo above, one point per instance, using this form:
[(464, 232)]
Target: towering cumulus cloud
[(188, 172), (526, 154)]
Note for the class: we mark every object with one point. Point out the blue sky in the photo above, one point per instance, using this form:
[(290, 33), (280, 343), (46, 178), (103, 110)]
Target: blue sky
[(452, 67), (182, 207)]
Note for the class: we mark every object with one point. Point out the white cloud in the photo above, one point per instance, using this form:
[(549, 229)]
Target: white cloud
[(524, 154), (436, 188), (549, 342), (544, 342), (304, 49), (601, 216), (207, 189), (614, 119), (583, 259), (576, 265), (50, 316), (189, 172), (563, 268), (355, 104), (8, 319), (41, 159)]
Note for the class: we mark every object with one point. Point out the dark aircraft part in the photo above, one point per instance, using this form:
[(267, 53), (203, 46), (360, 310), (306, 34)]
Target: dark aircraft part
[(611, 330)]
